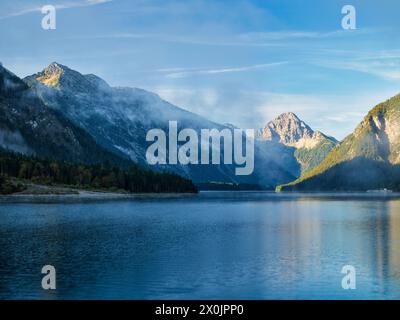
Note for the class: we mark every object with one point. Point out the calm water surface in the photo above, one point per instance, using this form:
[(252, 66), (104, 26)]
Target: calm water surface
[(247, 245)]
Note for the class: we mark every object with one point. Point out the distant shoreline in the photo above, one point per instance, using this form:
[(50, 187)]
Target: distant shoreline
[(37, 192), (83, 195), (77, 196)]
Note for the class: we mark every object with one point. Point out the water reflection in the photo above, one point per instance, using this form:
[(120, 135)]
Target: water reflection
[(216, 245)]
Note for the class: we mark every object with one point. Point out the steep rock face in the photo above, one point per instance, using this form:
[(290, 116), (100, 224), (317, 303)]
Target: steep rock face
[(374, 146), (28, 126), (119, 119), (291, 131), (311, 146), (51, 75)]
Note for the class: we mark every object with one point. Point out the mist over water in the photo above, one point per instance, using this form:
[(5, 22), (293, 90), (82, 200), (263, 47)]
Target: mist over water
[(243, 245)]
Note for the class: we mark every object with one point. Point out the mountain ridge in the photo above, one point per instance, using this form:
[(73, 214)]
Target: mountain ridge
[(119, 118), (376, 141), (38, 143), (311, 146), (30, 127), (290, 130)]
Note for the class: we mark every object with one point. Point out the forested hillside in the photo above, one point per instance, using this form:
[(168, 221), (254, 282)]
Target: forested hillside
[(102, 177)]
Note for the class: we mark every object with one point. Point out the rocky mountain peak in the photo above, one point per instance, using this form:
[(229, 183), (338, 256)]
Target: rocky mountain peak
[(367, 159), (54, 68), (51, 75), (57, 75), (290, 130)]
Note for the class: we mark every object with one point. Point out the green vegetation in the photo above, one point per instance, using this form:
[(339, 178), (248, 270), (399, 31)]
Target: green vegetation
[(100, 177), (359, 174), (368, 147), (311, 158), (8, 187)]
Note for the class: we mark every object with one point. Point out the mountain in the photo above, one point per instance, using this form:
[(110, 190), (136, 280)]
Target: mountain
[(310, 147), (369, 158), (119, 118), (28, 126), (38, 143)]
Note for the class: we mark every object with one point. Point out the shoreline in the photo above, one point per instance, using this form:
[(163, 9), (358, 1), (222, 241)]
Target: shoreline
[(84, 195), (76, 196), (44, 193)]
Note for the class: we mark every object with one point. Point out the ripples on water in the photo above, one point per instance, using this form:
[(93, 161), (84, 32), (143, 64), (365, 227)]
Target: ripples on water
[(216, 245)]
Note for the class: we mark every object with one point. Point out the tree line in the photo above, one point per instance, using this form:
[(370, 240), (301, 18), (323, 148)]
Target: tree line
[(134, 179)]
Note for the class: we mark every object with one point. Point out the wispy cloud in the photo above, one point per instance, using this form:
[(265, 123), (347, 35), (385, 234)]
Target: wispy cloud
[(184, 73), (253, 39), (345, 117), (385, 68), (190, 39), (298, 34), (60, 6)]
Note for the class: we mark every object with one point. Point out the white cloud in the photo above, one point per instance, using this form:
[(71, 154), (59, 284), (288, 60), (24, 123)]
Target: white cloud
[(60, 6), (345, 117), (190, 39), (385, 70), (184, 73), (383, 64), (275, 39)]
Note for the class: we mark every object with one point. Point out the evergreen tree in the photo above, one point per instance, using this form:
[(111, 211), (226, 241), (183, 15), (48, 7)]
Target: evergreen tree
[(104, 177)]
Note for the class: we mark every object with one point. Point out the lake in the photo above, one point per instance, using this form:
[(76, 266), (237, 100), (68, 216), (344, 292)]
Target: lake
[(215, 245)]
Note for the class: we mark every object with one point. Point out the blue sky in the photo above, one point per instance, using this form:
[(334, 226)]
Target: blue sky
[(237, 61)]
